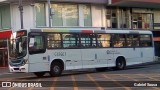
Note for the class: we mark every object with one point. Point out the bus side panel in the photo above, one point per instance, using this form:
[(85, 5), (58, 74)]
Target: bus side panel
[(106, 55), (70, 57), (89, 58), (147, 54), (131, 55), (93, 58), (38, 62)]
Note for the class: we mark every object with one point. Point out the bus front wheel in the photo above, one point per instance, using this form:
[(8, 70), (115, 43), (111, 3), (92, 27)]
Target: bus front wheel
[(120, 63), (56, 69)]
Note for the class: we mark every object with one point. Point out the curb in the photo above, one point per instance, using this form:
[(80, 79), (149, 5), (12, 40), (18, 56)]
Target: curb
[(3, 67)]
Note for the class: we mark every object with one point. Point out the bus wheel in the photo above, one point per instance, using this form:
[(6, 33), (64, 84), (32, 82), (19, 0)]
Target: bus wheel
[(39, 74), (120, 63), (56, 69), (101, 69)]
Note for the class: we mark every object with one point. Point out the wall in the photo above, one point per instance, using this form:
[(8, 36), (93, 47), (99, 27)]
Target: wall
[(5, 20), (28, 17), (98, 15)]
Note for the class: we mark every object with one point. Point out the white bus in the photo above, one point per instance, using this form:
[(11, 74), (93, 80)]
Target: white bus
[(55, 50)]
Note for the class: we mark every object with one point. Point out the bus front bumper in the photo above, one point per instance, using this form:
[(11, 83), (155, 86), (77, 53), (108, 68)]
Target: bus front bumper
[(18, 68)]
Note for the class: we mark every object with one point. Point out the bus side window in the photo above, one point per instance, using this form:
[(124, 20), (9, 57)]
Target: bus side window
[(129, 38), (119, 40), (104, 40), (31, 42), (70, 40), (36, 44), (145, 41)]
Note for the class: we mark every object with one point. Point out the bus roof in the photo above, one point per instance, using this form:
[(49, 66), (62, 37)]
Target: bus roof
[(91, 31)]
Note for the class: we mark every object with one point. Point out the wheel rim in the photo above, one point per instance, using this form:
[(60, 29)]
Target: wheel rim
[(120, 64), (56, 69)]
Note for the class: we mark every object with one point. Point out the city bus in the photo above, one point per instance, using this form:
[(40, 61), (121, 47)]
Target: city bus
[(53, 51)]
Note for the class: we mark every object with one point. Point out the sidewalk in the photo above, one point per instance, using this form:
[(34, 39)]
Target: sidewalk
[(4, 70)]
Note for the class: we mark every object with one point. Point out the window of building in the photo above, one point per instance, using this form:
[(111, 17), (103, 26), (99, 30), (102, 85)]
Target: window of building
[(3, 43), (124, 18), (65, 15), (0, 21), (87, 15), (104, 40), (142, 21), (111, 16), (40, 14), (5, 18)]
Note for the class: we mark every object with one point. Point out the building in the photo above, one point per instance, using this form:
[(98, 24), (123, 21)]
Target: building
[(135, 14), (97, 14), (4, 36)]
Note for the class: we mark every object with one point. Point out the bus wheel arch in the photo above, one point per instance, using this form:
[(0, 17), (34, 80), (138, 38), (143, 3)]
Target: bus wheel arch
[(56, 67), (120, 63)]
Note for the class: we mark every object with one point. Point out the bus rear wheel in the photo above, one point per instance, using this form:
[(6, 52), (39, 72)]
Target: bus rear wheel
[(39, 74), (120, 63), (56, 69)]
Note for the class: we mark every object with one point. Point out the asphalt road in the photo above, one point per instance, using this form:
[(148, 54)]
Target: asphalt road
[(143, 77)]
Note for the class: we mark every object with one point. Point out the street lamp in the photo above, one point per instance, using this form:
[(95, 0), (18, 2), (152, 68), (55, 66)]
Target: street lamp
[(49, 12), (21, 13)]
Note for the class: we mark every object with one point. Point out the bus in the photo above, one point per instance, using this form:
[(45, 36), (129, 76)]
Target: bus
[(53, 51)]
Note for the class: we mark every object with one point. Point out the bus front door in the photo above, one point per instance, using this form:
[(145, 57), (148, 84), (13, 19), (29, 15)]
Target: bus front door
[(39, 62)]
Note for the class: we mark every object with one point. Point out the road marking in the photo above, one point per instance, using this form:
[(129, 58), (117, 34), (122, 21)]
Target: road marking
[(126, 88), (54, 83), (136, 79), (98, 86), (33, 87), (147, 77), (74, 82)]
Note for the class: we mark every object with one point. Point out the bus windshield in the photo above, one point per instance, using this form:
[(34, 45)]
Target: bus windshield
[(18, 47)]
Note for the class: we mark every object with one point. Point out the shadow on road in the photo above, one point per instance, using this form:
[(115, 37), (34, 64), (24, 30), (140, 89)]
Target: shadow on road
[(69, 73)]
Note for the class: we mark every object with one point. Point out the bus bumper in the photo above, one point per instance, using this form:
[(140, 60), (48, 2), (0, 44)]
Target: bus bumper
[(18, 68)]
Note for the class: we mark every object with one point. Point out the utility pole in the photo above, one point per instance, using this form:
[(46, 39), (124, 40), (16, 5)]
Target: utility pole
[(21, 13), (49, 12)]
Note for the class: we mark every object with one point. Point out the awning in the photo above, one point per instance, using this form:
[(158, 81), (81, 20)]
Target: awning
[(69, 1), (5, 34), (84, 1), (136, 3)]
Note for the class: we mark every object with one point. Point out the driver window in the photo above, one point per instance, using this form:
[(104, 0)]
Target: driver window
[(36, 44)]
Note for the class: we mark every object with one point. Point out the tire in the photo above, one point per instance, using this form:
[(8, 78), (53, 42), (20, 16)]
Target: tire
[(120, 64), (101, 69), (56, 69), (39, 74)]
